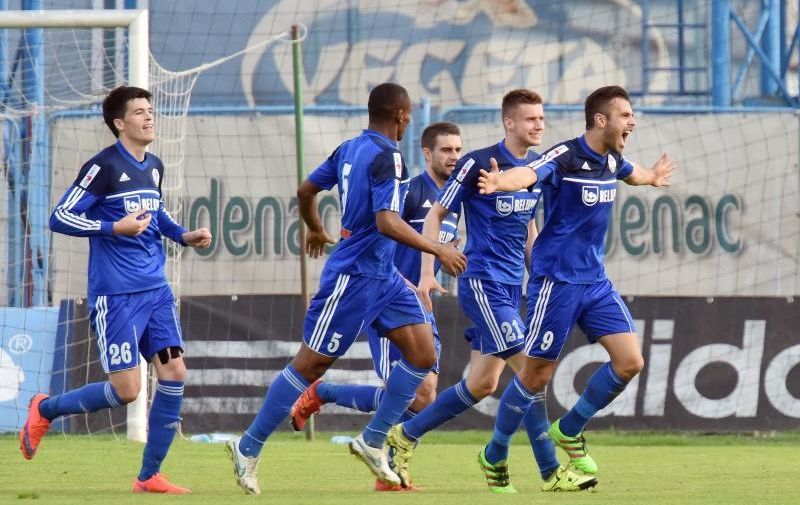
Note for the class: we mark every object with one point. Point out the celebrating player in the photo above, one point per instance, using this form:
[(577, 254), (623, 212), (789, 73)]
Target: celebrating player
[(568, 283), (500, 229), (441, 147), (132, 306), (359, 287)]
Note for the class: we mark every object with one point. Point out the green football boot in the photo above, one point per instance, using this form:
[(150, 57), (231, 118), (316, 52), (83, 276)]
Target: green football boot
[(496, 475), (575, 448)]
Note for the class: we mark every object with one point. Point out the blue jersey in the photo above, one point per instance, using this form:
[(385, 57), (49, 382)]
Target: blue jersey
[(497, 224), (110, 186), (371, 177), (422, 193), (579, 188)]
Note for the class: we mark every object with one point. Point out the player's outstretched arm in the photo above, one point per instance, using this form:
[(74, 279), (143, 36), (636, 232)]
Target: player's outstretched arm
[(660, 175), (316, 236), (513, 179)]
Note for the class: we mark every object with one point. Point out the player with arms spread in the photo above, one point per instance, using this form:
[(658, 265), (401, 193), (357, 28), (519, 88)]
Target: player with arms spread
[(359, 287), (568, 283), (500, 230), (116, 201)]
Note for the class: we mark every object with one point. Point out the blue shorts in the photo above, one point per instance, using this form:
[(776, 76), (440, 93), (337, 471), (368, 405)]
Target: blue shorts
[(346, 304), (385, 354), (133, 324), (493, 308), (554, 308)]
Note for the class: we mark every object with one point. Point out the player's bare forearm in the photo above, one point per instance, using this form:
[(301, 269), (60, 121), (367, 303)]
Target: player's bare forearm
[(512, 179), (660, 175), (307, 205), (532, 233), (390, 224), (516, 178), (640, 176)]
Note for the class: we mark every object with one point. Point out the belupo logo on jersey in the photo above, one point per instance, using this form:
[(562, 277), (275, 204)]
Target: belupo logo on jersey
[(135, 203), (132, 204), (504, 205), (590, 195)]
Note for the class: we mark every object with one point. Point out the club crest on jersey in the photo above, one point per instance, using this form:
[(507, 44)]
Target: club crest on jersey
[(504, 205), (89, 177), (612, 164), (590, 195), (156, 177), (132, 204)]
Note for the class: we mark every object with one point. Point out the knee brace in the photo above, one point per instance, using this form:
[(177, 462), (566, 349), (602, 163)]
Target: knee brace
[(165, 354)]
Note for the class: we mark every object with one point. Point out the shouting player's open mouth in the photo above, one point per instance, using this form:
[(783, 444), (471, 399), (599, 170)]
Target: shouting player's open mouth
[(625, 134)]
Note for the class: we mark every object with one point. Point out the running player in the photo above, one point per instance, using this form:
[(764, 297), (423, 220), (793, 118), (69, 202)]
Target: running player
[(359, 287), (118, 192), (568, 282)]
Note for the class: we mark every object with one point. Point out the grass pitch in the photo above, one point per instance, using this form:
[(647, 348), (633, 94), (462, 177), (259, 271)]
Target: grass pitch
[(649, 469)]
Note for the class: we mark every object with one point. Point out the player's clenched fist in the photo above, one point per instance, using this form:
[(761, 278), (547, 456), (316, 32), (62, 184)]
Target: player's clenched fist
[(452, 260), (133, 224), (200, 238)]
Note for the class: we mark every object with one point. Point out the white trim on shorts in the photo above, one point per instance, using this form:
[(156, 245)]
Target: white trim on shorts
[(325, 316), (488, 315), (538, 314), (100, 325)]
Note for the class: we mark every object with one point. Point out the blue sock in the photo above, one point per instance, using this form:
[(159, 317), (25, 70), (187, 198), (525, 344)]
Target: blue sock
[(453, 401), (281, 395), (514, 404), (165, 416), (363, 398), (403, 382), (90, 398), (407, 416), (604, 385), (536, 424)]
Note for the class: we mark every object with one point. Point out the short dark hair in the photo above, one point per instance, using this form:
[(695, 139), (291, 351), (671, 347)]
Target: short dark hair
[(116, 103), (517, 97), (600, 100), (433, 130), (385, 100)]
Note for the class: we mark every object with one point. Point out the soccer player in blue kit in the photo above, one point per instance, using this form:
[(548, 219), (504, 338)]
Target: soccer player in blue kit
[(441, 148), (116, 201), (500, 229), (359, 287), (568, 283)]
